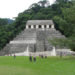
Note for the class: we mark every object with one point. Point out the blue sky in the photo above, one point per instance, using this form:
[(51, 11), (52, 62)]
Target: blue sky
[(11, 8)]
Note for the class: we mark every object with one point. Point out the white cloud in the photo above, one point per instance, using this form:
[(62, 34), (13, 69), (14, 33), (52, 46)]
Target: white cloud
[(11, 8)]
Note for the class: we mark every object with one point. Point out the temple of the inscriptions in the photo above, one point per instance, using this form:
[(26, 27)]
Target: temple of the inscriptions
[(40, 24), (34, 38)]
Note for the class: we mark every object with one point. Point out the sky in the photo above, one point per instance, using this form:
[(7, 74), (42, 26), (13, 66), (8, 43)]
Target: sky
[(11, 8)]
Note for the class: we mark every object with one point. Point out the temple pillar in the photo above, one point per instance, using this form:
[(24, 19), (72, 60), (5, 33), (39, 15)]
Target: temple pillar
[(27, 27), (37, 26), (32, 26), (42, 26), (47, 26), (52, 26)]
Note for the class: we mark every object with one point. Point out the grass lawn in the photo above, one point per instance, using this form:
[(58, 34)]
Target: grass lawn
[(49, 66)]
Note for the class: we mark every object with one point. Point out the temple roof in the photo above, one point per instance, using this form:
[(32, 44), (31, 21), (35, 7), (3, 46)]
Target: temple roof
[(40, 22)]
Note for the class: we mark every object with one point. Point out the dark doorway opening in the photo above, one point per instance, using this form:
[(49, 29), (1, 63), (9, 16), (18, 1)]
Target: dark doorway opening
[(45, 26), (40, 26), (49, 26), (29, 26)]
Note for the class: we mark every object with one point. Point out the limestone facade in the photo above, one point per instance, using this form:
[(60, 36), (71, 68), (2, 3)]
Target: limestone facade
[(39, 26)]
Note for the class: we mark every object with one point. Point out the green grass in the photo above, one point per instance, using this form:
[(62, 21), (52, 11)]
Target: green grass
[(49, 66)]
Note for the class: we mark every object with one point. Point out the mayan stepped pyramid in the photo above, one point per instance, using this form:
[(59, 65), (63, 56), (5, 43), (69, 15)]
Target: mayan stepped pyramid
[(35, 36)]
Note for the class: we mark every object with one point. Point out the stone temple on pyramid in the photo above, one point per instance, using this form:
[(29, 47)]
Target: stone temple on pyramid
[(34, 39)]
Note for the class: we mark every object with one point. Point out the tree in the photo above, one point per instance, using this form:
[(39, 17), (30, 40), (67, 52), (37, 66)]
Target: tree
[(62, 1), (44, 3), (59, 42), (3, 21), (71, 43), (67, 42)]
